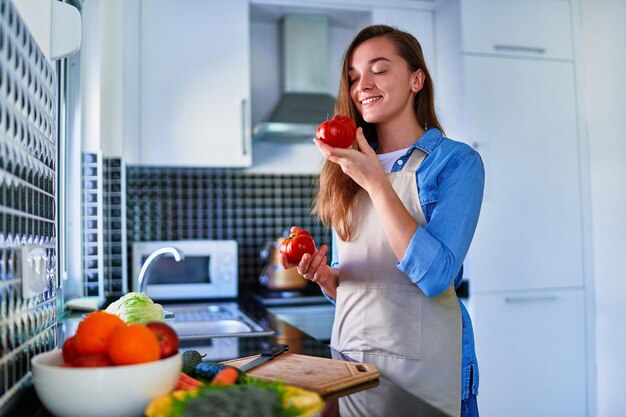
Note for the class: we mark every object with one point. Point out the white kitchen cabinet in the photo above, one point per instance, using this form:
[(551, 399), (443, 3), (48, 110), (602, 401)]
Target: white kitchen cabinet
[(533, 28), (195, 83), (521, 116), (418, 23), (531, 349), (527, 264)]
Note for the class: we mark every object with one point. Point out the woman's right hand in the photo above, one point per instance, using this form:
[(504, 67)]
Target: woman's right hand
[(362, 164), (314, 268)]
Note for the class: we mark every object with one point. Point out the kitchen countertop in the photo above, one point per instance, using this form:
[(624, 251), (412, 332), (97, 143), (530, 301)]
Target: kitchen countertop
[(375, 398)]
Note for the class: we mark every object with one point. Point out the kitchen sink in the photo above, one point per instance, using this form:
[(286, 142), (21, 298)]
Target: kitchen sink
[(200, 321)]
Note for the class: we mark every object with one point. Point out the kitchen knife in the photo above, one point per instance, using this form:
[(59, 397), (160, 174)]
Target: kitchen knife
[(265, 356)]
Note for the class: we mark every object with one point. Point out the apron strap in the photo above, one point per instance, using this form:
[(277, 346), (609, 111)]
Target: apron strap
[(415, 160)]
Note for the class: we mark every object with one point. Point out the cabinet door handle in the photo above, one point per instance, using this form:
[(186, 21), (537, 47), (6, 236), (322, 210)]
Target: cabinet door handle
[(518, 48), (529, 299), (244, 127)]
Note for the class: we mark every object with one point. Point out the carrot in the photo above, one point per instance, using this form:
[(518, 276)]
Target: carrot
[(226, 376), (185, 382)]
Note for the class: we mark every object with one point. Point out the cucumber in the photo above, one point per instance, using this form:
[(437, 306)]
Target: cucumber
[(207, 370)]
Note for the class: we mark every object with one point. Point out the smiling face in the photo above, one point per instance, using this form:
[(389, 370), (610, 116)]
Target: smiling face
[(382, 86)]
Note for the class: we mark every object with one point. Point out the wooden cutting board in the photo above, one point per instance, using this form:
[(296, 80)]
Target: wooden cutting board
[(320, 375)]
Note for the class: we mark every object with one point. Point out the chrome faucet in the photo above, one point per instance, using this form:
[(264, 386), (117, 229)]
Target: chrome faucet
[(167, 250)]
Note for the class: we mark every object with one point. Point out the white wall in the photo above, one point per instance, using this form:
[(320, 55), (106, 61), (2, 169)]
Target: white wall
[(604, 58), (102, 76), (111, 128), (90, 68)]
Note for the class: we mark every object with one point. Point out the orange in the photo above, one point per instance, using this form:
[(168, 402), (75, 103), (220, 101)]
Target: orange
[(95, 331), (132, 344)]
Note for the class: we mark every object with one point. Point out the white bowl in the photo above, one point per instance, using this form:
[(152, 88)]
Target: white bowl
[(111, 391)]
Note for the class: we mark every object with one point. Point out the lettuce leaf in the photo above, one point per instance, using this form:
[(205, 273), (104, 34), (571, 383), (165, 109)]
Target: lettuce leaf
[(136, 307)]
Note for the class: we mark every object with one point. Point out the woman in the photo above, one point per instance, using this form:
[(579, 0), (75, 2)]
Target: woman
[(403, 202)]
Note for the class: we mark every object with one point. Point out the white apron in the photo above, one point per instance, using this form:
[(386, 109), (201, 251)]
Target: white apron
[(383, 318)]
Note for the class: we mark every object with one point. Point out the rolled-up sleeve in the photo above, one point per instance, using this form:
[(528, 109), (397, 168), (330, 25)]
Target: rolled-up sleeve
[(334, 260), (334, 263), (436, 252)]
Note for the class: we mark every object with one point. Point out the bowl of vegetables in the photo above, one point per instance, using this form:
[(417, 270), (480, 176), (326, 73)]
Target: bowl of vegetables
[(108, 368)]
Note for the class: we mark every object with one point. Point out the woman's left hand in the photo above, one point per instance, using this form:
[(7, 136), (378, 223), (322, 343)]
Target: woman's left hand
[(362, 165)]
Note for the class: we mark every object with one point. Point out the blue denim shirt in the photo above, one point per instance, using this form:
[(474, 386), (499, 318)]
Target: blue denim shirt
[(450, 181)]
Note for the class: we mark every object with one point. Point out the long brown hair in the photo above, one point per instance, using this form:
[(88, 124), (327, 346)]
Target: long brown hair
[(337, 191)]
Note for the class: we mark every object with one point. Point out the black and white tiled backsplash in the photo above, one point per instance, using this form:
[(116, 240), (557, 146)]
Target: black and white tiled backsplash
[(191, 203), (122, 205), (28, 141)]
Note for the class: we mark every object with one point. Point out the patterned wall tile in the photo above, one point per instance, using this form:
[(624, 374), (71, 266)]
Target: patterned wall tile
[(27, 202)]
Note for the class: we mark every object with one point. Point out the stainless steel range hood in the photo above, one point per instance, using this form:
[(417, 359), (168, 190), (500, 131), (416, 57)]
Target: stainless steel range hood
[(305, 101)]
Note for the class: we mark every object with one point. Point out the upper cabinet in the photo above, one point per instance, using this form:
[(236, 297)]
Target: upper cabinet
[(533, 28), (526, 132), (521, 114), (198, 78), (194, 84)]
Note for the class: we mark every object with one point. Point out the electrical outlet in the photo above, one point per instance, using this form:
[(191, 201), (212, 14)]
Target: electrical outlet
[(34, 277)]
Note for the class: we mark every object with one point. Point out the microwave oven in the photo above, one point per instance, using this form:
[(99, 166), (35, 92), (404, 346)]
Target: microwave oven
[(208, 270)]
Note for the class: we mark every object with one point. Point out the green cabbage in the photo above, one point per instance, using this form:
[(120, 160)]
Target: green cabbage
[(136, 307)]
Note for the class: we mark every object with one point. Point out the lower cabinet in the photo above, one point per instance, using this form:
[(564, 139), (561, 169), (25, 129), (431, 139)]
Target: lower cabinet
[(531, 349)]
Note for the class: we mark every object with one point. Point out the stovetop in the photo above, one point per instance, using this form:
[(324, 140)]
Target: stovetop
[(309, 295)]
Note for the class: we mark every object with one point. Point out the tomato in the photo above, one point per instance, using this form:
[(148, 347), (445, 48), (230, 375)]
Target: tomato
[(91, 360), (339, 132), (70, 353), (296, 245), (167, 337)]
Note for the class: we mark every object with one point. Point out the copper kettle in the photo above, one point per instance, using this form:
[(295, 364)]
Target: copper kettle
[(273, 276)]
